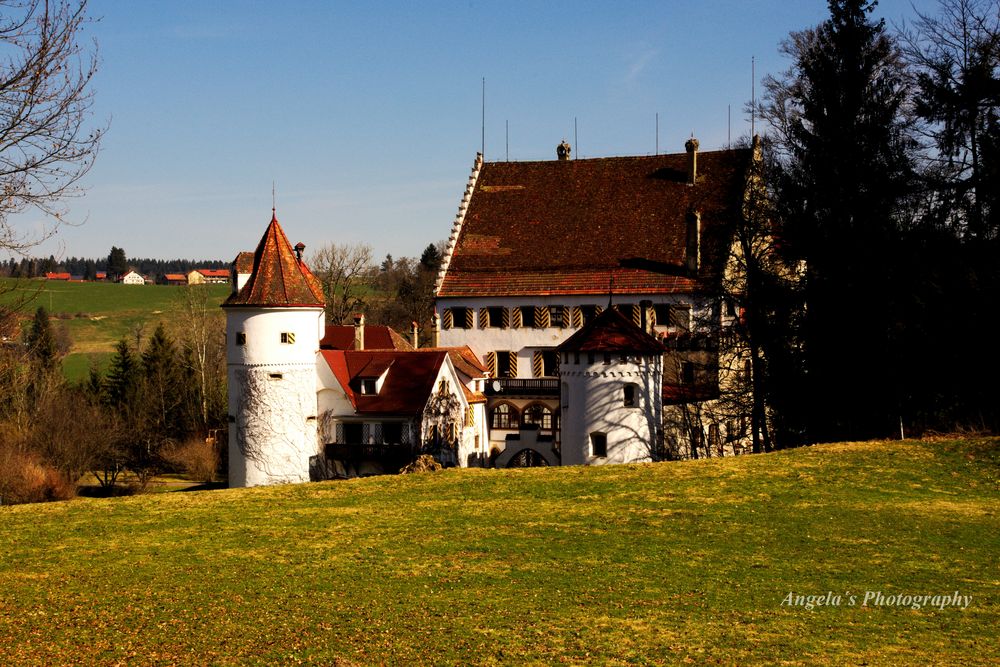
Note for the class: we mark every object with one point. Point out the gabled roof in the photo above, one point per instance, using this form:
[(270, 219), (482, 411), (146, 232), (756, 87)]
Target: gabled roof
[(214, 273), (52, 275), (611, 332), (570, 226), (377, 337), (407, 386), (278, 277), (244, 262), (175, 276)]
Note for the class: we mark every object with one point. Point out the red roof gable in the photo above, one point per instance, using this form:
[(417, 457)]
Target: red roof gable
[(569, 226), (175, 276), (57, 276), (611, 332), (278, 277), (214, 273), (407, 386), (377, 337)]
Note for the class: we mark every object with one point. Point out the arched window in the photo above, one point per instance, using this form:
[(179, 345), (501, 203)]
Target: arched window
[(504, 416), (540, 415)]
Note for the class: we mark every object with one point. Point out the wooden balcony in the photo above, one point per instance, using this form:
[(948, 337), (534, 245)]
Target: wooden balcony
[(522, 387)]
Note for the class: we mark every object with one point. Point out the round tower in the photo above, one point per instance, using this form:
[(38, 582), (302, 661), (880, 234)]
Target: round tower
[(611, 389), (273, 327)]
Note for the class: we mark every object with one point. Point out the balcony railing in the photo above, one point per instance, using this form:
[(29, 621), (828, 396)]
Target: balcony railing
[(522, 387), (362, 452)]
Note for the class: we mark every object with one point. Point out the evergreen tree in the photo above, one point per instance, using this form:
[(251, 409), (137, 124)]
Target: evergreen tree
[(122, 382), (117, 263), (41, 342), (163, 400), (845, 175)]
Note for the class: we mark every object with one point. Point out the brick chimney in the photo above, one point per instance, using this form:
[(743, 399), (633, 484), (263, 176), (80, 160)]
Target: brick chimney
[(691, 146), (693, 253), (359, 331), (416, 335)]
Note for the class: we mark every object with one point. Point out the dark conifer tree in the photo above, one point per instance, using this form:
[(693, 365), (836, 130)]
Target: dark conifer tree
[(845, 174)]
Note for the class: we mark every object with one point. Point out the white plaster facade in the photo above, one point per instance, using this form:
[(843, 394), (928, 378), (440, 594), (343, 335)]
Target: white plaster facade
[(271, 354), (133, 278), (617, 397)]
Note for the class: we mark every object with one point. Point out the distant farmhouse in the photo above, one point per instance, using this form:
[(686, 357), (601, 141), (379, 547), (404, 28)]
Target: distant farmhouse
[(575, 315), (132, 278), (208, 276)]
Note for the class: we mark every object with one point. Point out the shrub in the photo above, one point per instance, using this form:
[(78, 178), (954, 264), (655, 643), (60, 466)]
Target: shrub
[(196, 458), (24, 479), (424, 463)]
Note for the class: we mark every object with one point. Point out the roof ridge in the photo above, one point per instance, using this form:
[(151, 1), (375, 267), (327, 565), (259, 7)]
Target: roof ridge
[(456, 228)]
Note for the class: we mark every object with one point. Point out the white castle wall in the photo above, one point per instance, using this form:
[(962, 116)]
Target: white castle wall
[(593, 402), (524, 340), (272, 394)]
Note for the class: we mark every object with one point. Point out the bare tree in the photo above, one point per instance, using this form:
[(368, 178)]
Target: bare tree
[(45, 102), (201, 335), (345, 271)]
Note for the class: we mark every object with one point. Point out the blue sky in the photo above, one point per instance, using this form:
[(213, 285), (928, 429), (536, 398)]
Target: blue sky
[(367, 116)]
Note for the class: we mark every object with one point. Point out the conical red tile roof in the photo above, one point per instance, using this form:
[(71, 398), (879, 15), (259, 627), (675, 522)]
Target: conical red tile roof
[(278, 278)]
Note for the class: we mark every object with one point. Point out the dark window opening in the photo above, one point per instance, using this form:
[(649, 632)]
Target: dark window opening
[(241, 338), (661, 311), (503, 416), (353, 434), (504, 368), (495, 316), (528, 316), (588, 312), (599, 445), (549, 363), (392, 433), (367, 386), (287, 337), (687, 372), (628, 396), (556, 316)]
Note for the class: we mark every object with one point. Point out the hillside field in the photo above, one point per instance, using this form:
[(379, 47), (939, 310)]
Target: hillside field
[(98, 315), (661, 563)]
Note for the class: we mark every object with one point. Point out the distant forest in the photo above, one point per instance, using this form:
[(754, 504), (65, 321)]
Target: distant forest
[(87, 269)]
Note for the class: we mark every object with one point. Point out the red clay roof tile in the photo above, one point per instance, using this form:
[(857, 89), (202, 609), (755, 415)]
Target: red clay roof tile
[(569, 227), (278, 277)]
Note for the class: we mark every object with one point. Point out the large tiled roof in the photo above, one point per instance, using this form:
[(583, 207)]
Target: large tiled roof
[(611, 332), (570, 227), (377, 337), (278, 277), (407, 386)]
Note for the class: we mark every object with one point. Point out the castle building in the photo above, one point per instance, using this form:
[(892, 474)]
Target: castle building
[(309, 401), (538, 248)]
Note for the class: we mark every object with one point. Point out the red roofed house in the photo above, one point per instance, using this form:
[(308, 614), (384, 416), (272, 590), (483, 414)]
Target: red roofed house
[(208, 276), (175, 278), (57, 276), (538, 249), (302, 407)]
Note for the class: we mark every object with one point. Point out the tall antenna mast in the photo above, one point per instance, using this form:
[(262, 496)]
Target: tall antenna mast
[(576, 144), (506, 140), (273, 200), (753, 96), (483, 146), (729, 126), (657, 132)]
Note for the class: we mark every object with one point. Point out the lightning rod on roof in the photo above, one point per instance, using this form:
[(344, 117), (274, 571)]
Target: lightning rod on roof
[(506, 139), (483, 139), (576, 144), (273, 199)]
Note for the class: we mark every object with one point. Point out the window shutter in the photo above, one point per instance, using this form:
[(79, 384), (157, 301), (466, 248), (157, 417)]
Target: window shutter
[(512, 317), (484, 318), (637, 315), (598, 310), (447, 319), (651, 316), (537, 363), (470, 416), (577, 317), (542, 317), (491, 363), (512, 356), (469, 316)]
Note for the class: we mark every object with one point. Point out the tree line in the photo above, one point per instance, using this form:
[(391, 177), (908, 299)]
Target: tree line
[(870, 267), (114, 264)]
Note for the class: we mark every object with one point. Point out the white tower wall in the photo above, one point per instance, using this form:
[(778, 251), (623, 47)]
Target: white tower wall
[(272, 393), (593, 401)]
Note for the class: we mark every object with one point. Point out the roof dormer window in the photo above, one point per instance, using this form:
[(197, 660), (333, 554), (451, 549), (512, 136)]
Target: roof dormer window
[(368, 387)]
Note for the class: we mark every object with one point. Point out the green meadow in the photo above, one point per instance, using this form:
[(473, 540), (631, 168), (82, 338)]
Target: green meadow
[(670, 563), (98, 315)]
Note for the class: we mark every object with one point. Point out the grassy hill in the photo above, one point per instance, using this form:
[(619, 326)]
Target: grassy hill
[(97, 315), (664, 563)]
